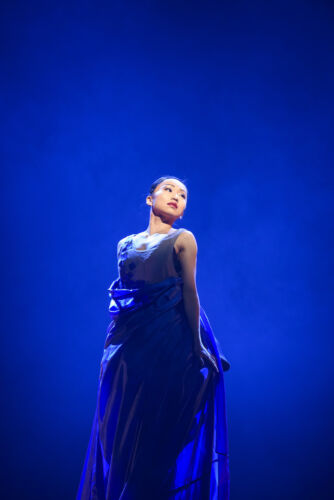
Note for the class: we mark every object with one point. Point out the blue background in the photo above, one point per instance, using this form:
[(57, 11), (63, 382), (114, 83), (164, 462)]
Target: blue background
[(99, 99)]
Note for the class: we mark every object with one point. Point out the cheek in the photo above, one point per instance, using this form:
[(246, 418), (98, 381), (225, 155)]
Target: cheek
[(160, 199), (163, 197)]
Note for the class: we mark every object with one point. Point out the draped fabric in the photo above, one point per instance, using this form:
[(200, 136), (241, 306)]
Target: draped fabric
[(160, 428)]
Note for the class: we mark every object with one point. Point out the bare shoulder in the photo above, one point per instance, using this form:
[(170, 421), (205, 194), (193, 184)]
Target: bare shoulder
[(186, 241), (187, 257)]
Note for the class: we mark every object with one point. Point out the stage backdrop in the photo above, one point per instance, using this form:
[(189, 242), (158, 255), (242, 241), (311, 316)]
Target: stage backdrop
[(98, 99)]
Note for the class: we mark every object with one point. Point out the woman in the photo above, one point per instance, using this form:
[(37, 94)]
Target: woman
[(159, 429)]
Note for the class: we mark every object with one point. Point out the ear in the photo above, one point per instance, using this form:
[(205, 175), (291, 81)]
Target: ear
[(149, 200)]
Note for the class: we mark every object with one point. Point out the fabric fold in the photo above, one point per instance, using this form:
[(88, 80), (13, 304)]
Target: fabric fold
[(160, 426), (127, 300)]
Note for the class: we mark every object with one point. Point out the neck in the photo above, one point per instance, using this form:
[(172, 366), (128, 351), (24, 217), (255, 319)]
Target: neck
[(151, 231), (158, 225)]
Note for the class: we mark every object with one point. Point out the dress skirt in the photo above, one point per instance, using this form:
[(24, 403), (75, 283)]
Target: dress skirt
[(160, 428)]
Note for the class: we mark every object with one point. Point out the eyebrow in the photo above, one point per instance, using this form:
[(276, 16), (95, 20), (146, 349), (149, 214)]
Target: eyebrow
[(170, 184)]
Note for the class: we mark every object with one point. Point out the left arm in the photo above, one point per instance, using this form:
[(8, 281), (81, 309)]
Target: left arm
[(188, 259)]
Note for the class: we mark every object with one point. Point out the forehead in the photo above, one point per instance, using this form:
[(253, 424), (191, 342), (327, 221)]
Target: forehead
[(174, 183)]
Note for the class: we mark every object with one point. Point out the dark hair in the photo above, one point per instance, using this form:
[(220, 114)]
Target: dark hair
[(161, 179)]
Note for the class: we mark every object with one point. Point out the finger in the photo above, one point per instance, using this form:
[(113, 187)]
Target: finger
[(214, 364), (211, 362)]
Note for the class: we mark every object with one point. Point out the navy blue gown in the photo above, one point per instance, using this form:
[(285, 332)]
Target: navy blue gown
[(160, 429)]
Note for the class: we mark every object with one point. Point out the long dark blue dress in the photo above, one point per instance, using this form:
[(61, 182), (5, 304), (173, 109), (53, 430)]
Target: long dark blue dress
[(160, 428)]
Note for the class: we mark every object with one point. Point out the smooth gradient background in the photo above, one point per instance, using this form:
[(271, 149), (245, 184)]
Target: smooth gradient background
[(98, 99)]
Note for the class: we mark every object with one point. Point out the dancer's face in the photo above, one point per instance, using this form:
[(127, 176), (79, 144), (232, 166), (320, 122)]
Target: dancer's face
[(165, 194)]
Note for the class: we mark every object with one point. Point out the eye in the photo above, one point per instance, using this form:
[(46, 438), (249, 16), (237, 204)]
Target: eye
[(184, 196)]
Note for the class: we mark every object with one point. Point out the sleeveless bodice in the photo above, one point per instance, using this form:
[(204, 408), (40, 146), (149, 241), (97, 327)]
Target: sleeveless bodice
[(156, 263)]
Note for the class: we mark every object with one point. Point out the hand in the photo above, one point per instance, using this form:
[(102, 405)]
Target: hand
[(203, 355)]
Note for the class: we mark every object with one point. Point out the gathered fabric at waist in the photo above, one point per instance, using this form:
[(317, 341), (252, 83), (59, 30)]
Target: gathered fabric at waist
[(131, 299), (133, 308), (130, 309)]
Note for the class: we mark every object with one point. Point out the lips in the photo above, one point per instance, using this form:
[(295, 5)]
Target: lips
[(171, 204)]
